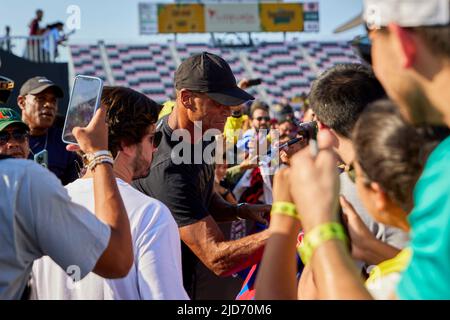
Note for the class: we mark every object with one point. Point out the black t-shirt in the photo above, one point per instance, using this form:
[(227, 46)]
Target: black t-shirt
[(185, 188), (64, 164)]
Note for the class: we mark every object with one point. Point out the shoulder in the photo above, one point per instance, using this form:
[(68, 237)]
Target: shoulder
[(23, 167), (150, 212)]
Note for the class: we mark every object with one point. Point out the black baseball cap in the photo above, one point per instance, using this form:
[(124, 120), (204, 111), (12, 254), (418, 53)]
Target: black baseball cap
[(38, 84), (210, 74)]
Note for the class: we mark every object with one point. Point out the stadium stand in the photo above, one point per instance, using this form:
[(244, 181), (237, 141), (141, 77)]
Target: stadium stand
[(287, 69)]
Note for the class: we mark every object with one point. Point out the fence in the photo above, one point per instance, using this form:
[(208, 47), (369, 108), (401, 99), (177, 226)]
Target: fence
[(41, 49)]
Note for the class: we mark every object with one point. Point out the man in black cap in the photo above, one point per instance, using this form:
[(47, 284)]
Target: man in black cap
[(205, 90), (38, 101)]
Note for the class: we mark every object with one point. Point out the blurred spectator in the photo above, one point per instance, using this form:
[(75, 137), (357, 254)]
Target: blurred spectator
[(401, 48), (54, 36), (338, 97), (6, 43), (13, 135), (38, 101), (35, 29), (260, 126), (156, 273)]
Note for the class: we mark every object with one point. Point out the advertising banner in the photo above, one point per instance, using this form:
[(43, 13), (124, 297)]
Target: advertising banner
[(181, 18), (281, 17), (232, 18)]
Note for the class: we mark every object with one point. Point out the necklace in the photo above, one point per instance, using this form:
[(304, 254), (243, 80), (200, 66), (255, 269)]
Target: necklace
[(36, 144)]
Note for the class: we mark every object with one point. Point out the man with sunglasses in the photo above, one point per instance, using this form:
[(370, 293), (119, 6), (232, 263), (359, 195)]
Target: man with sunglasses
[(156, 272), (260, 122), (205, 90), (13, 135)]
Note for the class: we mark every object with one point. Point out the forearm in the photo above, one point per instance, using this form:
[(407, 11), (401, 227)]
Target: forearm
[(376, 251), (278, 269), (229, 257), (222, 210), (110, 209), (335, 273)]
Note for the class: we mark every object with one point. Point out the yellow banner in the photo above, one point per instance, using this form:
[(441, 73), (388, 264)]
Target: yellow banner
[(181, 18), (281, 17)]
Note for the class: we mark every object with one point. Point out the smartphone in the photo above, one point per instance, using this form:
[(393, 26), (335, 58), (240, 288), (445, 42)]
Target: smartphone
[(84, 101), (254, 82), (42, 158)]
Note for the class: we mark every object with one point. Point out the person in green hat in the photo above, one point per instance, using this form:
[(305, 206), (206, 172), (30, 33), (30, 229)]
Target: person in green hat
[(13, 135)]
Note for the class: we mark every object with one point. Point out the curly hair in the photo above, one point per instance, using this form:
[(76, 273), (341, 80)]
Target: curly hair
[(129, 115)]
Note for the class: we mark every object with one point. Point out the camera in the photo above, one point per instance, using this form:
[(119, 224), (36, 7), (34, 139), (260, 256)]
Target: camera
[(308, 130)]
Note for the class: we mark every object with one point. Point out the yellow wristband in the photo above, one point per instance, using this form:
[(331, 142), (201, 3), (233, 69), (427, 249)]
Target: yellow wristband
[(285, 209), (319, 235)]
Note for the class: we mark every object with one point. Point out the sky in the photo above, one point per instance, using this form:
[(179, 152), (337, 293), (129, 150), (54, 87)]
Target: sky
[(117, 20)]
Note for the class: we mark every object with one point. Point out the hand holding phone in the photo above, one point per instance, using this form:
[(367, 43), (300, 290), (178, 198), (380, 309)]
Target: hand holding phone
[(254, 82), (42, 158), (84, 101)]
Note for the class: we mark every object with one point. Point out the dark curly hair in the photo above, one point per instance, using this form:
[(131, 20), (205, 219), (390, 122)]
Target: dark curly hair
[(129, 115)]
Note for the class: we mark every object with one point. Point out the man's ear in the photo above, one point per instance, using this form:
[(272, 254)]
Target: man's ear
[(21, 102), (379, 197), (322, 126), (406, 44), (128, 150), (186, 99)]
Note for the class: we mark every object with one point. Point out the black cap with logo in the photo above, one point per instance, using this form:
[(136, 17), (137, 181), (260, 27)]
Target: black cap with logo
[(210, 74), (38, 84)]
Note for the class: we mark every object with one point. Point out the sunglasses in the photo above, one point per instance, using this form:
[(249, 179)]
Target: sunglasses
[(18, 135), (155, 139), (263, 118)]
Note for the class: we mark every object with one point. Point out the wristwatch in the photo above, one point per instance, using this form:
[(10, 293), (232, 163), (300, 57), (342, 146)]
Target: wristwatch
[(238, 206)]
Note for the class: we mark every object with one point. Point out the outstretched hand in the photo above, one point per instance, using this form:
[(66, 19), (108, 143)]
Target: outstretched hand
[(254, 212)]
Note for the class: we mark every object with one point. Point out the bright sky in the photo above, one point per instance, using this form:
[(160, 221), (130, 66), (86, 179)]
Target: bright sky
[(117, 21)]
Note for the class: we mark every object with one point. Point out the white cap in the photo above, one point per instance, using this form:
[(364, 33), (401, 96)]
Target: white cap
[(406, 13)]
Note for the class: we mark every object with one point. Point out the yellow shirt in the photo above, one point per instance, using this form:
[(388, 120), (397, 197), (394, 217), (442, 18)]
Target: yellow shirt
[(234, 127)]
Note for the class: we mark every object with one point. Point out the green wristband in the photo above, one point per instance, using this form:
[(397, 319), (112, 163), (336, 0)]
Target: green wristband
[(319, 235), (284, 208)]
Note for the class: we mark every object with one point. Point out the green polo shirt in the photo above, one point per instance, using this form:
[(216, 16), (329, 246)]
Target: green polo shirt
[(428, 274)]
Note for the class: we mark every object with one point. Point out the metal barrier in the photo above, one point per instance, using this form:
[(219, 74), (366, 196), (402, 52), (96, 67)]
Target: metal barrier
[(40, 49)]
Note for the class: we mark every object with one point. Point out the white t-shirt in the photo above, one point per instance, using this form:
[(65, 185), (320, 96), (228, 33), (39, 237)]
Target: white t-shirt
[(156, 272), (37, 218)]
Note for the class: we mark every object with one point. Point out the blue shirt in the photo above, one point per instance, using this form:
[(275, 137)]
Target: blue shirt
[(60, 161), (428, 274)]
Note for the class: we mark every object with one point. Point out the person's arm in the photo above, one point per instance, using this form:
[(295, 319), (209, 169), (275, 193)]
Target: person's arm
[(117, 258), (277, 273), (314, 186), (222, 257), (365, 246), (223, 211)]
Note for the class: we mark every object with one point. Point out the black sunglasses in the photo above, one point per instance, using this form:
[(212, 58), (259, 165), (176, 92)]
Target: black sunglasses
[(263, 118), (18, 135), (155, 139)]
